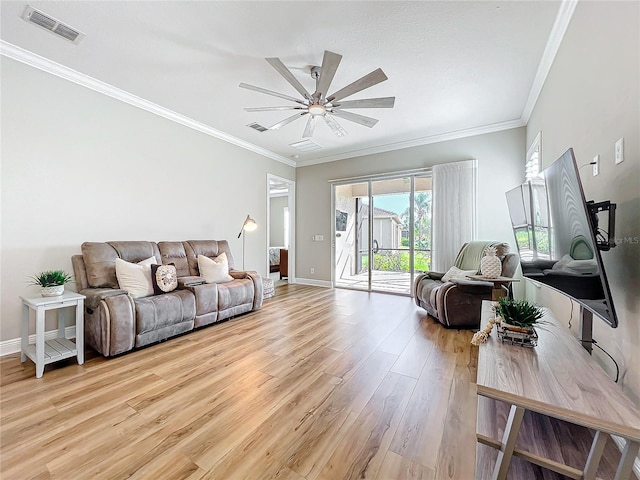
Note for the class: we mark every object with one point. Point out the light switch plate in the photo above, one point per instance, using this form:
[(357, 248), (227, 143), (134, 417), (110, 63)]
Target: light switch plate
[(620, 151), (596, 165)]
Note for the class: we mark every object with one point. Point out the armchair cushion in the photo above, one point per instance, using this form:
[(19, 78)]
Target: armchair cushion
[(455, 272)]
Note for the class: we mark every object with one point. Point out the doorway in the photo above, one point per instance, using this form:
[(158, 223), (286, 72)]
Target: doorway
[(382, 234), (280, 229)]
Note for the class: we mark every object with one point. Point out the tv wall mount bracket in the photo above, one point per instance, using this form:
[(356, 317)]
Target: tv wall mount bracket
[(604, 243)]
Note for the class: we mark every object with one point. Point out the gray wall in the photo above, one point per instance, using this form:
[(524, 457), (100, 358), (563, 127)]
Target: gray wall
[(500, 158), (590, 100), (80, 166), (276, 221)]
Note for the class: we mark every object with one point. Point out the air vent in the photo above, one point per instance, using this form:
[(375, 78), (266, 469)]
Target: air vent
[(258, 127), (47, 22), (305, 146)]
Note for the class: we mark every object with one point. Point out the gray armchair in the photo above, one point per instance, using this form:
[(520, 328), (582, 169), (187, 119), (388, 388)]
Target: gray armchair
[(457, 303)]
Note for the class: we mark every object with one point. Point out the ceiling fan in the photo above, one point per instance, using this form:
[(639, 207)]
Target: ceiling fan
[(321, 105)]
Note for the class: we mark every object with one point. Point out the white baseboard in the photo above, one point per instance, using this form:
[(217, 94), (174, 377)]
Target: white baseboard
[(620, 442), (13, 345), (313, 282)]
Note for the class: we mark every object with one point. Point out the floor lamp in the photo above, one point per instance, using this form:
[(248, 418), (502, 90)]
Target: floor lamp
[(249, 225)]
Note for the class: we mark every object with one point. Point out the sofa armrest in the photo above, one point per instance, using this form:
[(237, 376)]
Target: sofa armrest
[(257, 286), (94, 295), (191, 281), (435, 275), (238, 274), (110, 320)]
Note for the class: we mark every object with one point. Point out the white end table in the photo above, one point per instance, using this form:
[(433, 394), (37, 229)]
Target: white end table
[(43, 353)]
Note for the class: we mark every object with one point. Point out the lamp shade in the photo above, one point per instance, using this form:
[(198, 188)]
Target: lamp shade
[(249, 225)]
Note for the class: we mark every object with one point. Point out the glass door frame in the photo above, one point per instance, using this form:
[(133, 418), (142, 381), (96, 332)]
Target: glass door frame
[(369, 180)]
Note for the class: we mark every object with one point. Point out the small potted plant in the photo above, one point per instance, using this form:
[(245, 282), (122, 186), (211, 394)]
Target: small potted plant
[(518, 317), (52, 282)]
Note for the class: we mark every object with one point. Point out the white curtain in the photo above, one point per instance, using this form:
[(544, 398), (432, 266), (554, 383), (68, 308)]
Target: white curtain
[(454, 217)]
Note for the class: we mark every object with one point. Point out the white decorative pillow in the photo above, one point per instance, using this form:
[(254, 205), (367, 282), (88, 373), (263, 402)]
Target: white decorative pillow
[(455, 272), (214, 270), (135, 278)]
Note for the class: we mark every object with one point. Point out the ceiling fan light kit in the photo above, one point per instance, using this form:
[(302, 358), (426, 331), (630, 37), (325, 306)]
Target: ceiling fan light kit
[(320, 105)]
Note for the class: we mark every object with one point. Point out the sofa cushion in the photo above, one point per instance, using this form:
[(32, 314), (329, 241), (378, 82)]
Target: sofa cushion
[(237, 292), (214, 270), (135, 278), (135, 251), (164, 278), (174, 252), (208, 248), (100, 264), (160, 311)]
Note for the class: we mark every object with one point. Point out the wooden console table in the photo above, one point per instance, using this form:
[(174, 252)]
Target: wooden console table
[(559, 380)]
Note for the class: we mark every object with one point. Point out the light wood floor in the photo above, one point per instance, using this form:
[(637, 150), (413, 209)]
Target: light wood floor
[(318, 384)]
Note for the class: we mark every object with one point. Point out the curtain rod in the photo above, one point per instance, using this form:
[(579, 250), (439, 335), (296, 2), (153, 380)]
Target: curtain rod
[(387, 175)]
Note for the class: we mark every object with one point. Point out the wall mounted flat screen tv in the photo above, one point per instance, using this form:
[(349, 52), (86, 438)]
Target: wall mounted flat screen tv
[(557, 237)]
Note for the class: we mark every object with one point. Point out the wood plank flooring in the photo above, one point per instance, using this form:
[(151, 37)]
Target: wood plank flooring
[(318, 384)]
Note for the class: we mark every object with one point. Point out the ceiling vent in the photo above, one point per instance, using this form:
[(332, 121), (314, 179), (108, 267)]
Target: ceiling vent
[(258, 127), (47, 22), (305, 146)]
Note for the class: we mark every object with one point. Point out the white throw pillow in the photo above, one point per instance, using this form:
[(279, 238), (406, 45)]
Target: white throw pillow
[(135, 278), (455, 272), (214, 270)]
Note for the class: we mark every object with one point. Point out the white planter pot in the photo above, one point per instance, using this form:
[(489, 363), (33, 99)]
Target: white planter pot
[(52, 291)]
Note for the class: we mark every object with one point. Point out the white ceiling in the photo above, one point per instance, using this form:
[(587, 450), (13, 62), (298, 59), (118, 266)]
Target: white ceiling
[(455, 67)]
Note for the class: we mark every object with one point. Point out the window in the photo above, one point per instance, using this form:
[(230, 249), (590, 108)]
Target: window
[(534, 158)]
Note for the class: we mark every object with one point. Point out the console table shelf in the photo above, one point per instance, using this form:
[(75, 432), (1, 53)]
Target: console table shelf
[(541, 389)]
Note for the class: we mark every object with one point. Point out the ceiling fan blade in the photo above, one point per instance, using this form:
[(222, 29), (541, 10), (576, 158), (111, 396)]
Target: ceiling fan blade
[(383, 102), (269, 92), (308, 131), (335, 126), (367, 81), (269, 109), (288, 76), (287, 121), (354, 117), (330, 63)]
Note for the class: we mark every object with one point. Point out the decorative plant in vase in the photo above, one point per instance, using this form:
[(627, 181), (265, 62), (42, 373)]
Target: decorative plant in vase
[(52, 282), (518, 317)]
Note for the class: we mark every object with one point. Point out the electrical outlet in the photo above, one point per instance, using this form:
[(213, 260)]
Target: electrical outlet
[(313, 270), (596, 165), (620, 151)]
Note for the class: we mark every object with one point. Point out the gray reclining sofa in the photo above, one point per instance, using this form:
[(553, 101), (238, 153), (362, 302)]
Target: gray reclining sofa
[(116, 323)]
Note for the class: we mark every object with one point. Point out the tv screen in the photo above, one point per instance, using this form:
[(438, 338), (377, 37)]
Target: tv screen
[(556, 239)]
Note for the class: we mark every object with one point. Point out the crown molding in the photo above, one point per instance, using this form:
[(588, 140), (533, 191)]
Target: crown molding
[(29, 58), (560, 25), (469, 132)]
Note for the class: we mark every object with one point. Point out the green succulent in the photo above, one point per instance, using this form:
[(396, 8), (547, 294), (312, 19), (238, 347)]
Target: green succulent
[(520, 313), (51, 278)]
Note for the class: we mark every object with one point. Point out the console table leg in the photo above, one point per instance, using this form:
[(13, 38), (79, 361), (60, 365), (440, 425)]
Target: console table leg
[(508, 442), (593, 460), (626, 462)]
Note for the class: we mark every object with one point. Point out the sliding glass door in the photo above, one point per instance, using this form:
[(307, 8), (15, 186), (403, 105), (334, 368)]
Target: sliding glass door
[(382, 237)]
